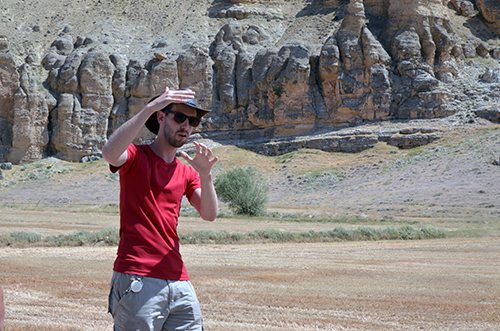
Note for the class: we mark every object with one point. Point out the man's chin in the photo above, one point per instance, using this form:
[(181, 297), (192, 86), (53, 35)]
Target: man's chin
[(177, 142)]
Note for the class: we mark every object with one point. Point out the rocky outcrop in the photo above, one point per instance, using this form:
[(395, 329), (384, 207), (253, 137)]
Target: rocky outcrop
[(194, 69), (85, 99), (118, 114), (356, 142), (490, 9), (29, 119), (464, 7), (241, 9), (490, 113), (147, 79), (353, 71), (9, 85), (370, 60), (348, 140), (281, 92), (414, 137)]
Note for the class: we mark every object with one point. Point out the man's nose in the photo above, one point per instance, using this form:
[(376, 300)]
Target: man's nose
[(186, 123)]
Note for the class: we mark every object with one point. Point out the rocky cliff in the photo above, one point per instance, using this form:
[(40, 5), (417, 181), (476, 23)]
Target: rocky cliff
[(71, 72)]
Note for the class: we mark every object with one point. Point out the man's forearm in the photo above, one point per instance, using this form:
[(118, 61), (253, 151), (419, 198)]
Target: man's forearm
[(209, 208), (117, 144)]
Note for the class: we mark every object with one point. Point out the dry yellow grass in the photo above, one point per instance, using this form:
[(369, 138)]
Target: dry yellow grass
[(52, 222), (419, 285)]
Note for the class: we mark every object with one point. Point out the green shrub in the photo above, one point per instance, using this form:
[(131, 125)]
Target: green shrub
[(109, 236), (274, 235), (390, 234), (79, 238), (408, 233), (209, 236), (342, 233), (429, 232), (243, 189), (368, 233), (25, 237)]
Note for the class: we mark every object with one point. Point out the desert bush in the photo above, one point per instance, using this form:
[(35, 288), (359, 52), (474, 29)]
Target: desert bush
[(341, 233), (79, 238), (212, 235), (5, 240), (390, 234), (337, 234), (429, 232), (368, 233), (408, 233), (108, 236), (273, 235), (20, 238), (243, 189), (209, 236), (25, 237)]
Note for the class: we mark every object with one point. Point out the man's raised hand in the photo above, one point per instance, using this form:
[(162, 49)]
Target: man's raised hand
[(171, 96), (202, 162)]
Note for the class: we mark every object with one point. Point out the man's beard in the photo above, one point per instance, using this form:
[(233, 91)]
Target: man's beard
[(170, 137)]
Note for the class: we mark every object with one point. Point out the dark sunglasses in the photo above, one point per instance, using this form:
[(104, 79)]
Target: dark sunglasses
[(180, 118)]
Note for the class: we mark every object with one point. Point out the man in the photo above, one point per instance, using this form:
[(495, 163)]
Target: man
[(150, 288)]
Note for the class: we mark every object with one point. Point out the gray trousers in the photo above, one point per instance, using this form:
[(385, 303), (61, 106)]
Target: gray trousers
[(150, 304)]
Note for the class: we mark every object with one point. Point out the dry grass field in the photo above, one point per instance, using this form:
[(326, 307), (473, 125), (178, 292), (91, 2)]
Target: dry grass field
[(438, 284), (419, 285)]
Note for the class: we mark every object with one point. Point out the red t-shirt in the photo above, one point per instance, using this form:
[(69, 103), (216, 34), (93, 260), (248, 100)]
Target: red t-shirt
[(151, 192)]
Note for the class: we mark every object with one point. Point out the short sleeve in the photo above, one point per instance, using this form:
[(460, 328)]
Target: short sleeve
[(193, 182), (131, 153)]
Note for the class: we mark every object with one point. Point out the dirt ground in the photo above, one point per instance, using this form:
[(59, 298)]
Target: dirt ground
[(420, 285)]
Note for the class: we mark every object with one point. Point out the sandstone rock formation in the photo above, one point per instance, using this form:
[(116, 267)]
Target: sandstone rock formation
[(271, 71), (29, 120), (490, 9)]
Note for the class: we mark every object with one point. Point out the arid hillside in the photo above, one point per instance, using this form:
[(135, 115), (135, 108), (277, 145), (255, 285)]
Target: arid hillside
[(453, 178), (71, 72)]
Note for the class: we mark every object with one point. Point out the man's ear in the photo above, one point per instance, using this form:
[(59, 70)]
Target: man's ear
[(160, 116)]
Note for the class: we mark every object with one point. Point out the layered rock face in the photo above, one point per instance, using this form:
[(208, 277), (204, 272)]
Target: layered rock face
[(426, 51), (353, 71), (82, 82), (9, 84), (490, 9), (378, 60), (23, 112)]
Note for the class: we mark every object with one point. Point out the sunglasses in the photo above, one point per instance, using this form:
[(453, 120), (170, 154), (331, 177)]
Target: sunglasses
[(181, 118)]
